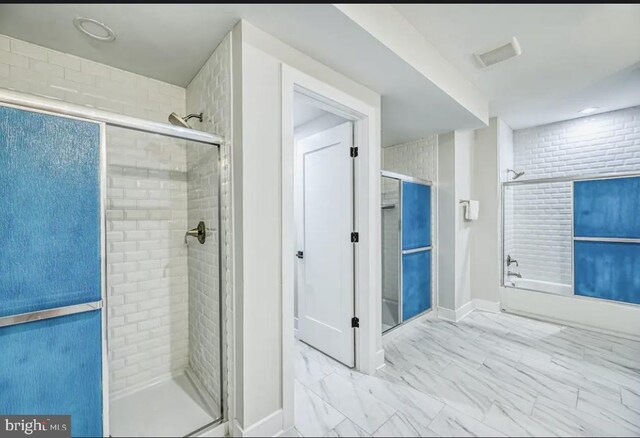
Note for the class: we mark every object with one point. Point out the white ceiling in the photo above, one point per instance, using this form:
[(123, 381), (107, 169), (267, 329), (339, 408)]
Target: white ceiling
[(171, 43), (573, 56)]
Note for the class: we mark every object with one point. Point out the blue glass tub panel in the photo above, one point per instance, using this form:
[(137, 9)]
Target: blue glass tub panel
[(53, 367), (49, 211), (416, 283), (416, 215), (607, 208), (607, 270)]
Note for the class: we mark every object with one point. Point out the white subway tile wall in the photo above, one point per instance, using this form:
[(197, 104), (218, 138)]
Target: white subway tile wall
[(210, 93), (539, 235), (147, 269)]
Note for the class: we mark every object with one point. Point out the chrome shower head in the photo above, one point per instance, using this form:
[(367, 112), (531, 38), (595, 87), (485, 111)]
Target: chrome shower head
[(516, 175), (176, 120)]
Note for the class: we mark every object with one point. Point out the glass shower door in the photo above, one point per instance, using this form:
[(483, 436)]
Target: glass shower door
[(416, 249), (50, 268), (391, 305)]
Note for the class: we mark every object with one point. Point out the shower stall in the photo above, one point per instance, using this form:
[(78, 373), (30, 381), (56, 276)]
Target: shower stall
[(406, 248), (117, 321)]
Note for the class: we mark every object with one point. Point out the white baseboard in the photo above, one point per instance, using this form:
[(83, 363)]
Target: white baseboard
[(295, 327), (455, 315), (270, 425), (486, 305), (587, 313)]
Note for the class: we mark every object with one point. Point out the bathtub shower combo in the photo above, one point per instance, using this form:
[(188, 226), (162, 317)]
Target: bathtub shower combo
[(406, 248), (111, 285), (573, 236)]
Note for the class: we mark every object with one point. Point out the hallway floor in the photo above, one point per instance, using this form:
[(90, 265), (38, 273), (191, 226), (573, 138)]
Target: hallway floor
[(487, 375)]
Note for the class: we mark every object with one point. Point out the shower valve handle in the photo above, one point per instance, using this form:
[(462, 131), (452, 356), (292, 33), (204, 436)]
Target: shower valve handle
[(200, 232)]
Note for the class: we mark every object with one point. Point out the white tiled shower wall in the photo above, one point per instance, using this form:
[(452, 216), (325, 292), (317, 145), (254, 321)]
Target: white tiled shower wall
[(210, 93), (607, 143), (147, 199), (418, 159)]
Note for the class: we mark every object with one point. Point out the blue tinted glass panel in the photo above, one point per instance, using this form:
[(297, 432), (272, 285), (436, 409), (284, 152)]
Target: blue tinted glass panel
[(49, 211), (416, 215), (53, 367), (416, 283), (607, 270), (607, 208)]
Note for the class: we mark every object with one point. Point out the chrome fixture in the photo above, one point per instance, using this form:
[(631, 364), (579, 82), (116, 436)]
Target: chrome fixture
[(200, 232), (175, 119), (513, 274), (516, 175), (511, 261)]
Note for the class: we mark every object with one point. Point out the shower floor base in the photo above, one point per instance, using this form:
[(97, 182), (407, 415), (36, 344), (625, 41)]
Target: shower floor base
[(170, 408)]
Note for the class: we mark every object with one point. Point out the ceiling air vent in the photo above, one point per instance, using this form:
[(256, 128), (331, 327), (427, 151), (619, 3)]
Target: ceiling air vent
[(499, 53)]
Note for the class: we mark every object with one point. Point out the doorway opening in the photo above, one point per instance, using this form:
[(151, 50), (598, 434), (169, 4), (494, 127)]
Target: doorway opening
[(324, 303)]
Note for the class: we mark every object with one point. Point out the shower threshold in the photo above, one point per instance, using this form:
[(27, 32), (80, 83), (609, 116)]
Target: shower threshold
[(174, 407)]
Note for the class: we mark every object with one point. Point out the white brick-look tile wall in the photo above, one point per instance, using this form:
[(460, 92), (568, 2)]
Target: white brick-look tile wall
[(607, 143), (210, 92), (146, 211), (418, 159), (147, 269)]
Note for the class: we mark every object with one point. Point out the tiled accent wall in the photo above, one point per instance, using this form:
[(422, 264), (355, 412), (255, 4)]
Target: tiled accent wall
[(210, 92), (418, 159), (540, 235), (147, 207)]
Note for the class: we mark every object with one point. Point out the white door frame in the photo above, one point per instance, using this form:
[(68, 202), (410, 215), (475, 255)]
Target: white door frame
[(366, 120)]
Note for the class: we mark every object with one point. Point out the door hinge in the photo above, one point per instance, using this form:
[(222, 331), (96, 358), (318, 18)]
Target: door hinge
[(355, 322), (354, 152), (355, 237)]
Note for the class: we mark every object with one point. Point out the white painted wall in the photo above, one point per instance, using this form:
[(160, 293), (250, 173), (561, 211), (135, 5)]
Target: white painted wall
[(257, 61), (486, 237), (447, 224), (455, 155)]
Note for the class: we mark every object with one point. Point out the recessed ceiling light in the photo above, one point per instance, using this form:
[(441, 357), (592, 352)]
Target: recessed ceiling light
[(94, 29), (588, 110)]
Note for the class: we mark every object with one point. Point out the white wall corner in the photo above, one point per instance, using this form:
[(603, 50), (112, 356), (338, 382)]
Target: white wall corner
[(379, 362), (271, 425), (385, 23)]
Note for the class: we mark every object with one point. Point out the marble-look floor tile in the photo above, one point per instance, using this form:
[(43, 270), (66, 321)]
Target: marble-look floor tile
[(418, 408), (355, 403), (347, 429), (605, 408), (396, 426), (513, 422), (630, 399), (574, 422), (451, 422), (309, 371), (457, 394), (327, 361), (500, 390), (313, 416), (529, 379)]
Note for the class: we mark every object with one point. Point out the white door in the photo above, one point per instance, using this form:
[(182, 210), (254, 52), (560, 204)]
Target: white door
[(325, 222)]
